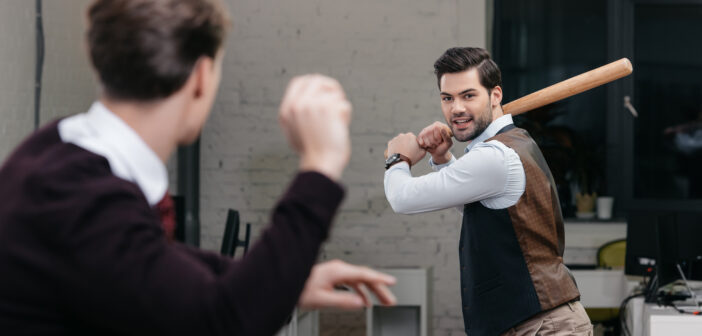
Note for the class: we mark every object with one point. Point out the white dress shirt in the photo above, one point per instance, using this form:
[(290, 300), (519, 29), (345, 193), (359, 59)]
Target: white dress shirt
[(490, 173), (104, 133)]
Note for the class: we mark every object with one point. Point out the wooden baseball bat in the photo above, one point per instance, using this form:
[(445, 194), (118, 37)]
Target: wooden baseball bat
[(569, 87)]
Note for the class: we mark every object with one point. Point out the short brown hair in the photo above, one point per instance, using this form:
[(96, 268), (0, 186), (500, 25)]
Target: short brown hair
[(144, 50), (461, 59)]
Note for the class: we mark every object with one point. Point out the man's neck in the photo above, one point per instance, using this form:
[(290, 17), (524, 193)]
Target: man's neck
[(497, 112), (156, 123)]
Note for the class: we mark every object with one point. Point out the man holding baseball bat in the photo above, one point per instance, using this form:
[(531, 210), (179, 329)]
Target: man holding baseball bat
[(513, 280)]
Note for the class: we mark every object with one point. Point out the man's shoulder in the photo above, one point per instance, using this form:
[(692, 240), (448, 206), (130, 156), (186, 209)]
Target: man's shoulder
[(489, 157), (45, 168), (513, 136), (494, 146)]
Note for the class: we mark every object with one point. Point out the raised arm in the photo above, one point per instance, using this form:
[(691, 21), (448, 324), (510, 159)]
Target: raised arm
[(478, 175)]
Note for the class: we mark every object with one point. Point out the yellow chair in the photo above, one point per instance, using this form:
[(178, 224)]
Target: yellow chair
[(611, 255)]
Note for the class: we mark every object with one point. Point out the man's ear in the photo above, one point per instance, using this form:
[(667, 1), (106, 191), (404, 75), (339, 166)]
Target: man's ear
[(496, 96), (200, 75)]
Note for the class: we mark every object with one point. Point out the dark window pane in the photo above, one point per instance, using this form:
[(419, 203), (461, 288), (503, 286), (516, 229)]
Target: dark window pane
[(539, 43), (668, 96)]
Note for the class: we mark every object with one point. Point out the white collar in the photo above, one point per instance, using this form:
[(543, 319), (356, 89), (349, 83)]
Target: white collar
[(491, 130), (104, 133)]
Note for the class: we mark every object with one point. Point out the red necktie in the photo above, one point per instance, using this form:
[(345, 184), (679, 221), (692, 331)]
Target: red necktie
[(166, 211)]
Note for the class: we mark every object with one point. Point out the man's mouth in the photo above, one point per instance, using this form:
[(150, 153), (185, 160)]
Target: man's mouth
[(462, 123)]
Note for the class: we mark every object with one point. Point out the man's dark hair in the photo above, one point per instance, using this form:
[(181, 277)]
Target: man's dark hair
[(145, 50), (461, 59)]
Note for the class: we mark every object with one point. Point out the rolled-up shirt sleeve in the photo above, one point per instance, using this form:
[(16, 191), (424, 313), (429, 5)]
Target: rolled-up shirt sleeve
[(491, 173)]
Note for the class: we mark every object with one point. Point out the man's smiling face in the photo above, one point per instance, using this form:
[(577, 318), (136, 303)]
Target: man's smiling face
[(465, 103)]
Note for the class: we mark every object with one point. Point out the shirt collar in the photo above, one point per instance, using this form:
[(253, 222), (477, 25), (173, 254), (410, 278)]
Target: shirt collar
[(491, 130), (102, 132)]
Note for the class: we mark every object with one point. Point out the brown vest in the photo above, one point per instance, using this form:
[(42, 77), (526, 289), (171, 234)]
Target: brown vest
[(512, 259)]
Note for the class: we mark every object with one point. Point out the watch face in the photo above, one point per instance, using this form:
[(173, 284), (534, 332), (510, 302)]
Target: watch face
[(392, 158)]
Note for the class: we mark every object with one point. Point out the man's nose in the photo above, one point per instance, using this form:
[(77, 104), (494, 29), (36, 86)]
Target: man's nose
[(457, 107)]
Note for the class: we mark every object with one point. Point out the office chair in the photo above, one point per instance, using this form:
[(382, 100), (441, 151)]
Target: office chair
[(231, 241), (611, 255)]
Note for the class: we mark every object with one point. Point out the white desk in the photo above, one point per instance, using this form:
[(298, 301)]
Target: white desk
[(648, 319), (602, 288), (303, 323), (412, 315)]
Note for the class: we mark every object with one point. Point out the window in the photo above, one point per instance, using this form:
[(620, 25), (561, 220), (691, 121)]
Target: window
[(591, 141)]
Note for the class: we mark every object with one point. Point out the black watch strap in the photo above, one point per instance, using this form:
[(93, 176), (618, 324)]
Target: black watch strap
[(396, 158)]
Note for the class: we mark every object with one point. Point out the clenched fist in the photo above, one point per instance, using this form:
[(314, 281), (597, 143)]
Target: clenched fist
[(436, 139), (315, 117), (406, 144)]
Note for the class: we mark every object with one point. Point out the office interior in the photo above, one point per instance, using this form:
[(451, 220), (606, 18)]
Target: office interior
[(626, 156)]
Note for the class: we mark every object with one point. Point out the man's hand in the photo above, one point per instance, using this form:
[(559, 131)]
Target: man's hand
[(406, 144), (436, 139), (315, 117), (320, 289)]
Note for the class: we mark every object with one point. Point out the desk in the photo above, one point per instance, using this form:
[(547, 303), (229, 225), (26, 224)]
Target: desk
[(303, 323), (412, 315), (602, 288), (648, 319)]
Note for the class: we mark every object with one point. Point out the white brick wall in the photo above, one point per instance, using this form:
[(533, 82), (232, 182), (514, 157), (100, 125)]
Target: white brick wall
[(16, 73), (382, 52), (68, 86)]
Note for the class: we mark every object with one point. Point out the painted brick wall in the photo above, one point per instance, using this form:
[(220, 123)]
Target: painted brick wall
[(68, 86), (382, 52), (16, 73)]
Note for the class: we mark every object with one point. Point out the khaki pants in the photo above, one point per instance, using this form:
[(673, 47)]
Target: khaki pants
[(566, 319)]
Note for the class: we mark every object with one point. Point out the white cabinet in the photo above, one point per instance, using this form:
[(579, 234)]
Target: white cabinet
[(412, 314)]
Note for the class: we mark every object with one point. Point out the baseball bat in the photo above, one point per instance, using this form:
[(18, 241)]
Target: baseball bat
[(569, 87)]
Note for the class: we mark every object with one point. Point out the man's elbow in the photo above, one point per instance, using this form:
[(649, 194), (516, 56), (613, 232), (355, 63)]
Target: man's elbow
[(399, 207)]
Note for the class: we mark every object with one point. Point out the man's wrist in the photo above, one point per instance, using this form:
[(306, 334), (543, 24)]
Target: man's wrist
[(442, 159), (396, 158), (329, 167)]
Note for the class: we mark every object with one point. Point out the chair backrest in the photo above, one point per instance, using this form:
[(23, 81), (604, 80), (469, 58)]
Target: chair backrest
[(612, 254), (230, 240)]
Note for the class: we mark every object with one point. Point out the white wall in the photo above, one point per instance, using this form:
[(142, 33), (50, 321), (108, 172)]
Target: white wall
[(68, 85), (383, 53), (16, 72)]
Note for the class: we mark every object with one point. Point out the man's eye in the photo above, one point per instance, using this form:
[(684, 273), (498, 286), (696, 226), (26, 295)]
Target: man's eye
[(469, 96), (446, 98)]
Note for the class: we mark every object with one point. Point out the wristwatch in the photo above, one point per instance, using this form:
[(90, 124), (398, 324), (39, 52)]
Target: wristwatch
[(395, 158)]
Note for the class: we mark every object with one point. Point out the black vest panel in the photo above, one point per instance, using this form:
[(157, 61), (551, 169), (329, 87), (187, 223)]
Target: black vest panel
[(496, 288)]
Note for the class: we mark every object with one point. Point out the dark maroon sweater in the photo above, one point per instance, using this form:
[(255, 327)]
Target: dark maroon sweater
[(81, 252)]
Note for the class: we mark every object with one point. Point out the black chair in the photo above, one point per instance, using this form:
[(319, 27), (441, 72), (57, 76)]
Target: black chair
[(230, 241)]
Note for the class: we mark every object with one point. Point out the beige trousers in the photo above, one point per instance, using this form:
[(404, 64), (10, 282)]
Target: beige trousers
[(566, 319)]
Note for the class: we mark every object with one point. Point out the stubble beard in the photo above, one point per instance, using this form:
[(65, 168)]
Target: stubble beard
[(481, 124)]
